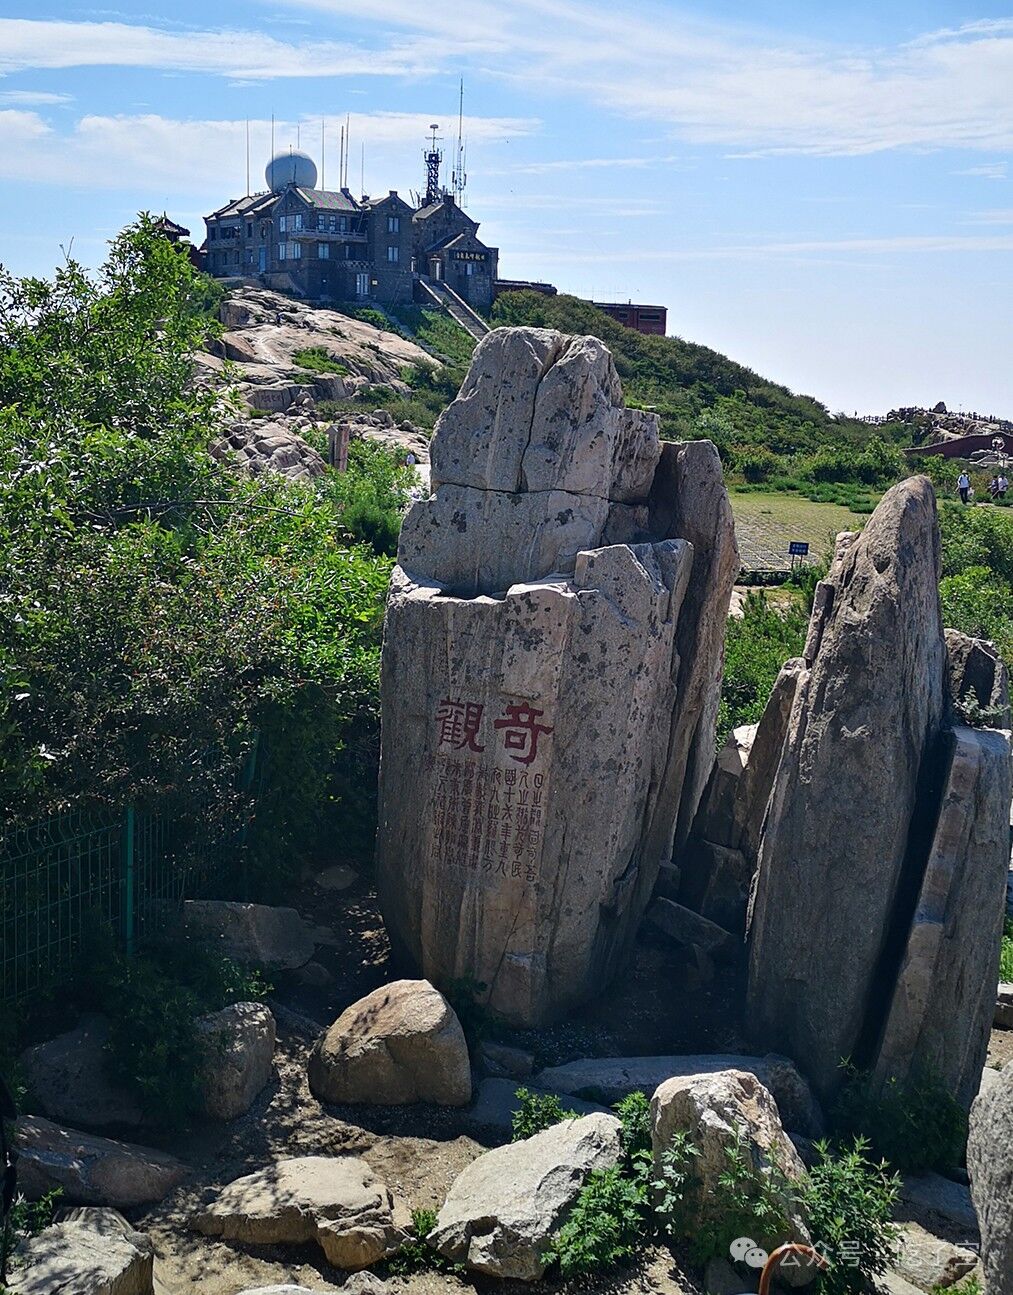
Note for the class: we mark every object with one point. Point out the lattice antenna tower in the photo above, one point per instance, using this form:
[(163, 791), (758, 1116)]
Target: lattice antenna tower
[(434, 159)]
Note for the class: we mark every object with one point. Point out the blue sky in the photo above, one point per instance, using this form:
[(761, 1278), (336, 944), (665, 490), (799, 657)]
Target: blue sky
[(822, 191)]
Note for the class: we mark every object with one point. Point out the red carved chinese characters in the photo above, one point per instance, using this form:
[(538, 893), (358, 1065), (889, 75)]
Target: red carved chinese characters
[(521, 731), (459, 723)]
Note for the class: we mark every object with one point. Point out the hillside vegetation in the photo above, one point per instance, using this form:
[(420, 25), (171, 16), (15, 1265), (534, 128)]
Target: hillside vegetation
[(767, 436)]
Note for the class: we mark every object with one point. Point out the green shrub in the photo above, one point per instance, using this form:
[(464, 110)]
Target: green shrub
[(1006, 952), (537, 1111), (634, 1112), (416, 1255), (25, 1219), (317, 359), (847, 1202), (749, 1200), (757, 644), (914, 1124), (970, 1285), (607, 1224), (673, 1187)]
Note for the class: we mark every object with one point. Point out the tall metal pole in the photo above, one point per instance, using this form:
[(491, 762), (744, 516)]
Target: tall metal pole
[(247, 157), (323, 156), (272, 135)]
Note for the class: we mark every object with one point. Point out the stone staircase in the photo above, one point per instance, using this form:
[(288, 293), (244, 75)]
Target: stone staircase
[(456, 307)]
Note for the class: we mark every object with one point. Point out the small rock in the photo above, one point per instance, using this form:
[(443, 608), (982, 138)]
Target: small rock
[(401, 1043), (685, 927), (67, 1077), (239, 1043), (336, 1201), (928, 1261), (932, 1194), (94, 1253), (505, 1062), (338, 877), (314, 974), (256, 934), (90, 1170), (502, 1210), (365, 1284), (1004, 1007)]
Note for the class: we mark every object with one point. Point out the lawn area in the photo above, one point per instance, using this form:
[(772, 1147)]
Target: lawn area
[(764, 525)]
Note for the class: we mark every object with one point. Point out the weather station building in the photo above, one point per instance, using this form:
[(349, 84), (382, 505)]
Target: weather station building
[(327, 245)]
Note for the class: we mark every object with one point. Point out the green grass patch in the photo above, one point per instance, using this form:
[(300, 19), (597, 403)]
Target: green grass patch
[(317, 359)]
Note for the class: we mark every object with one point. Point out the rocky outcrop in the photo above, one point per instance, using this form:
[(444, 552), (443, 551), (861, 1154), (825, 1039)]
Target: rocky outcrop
[(503, 1210), (543, 694), (612, 1078), (89, 1170), (67, 1078), (929, 1262), (855, 777), (255, 934), (990, 1165), (336, 1201), (268, 446), (239, 1050), (94, 1251), (401, 1043)]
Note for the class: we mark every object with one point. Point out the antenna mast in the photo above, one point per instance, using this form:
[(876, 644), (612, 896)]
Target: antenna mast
[(323, 156), (348, 148), (459, 179), (247, 157), (433, 157)]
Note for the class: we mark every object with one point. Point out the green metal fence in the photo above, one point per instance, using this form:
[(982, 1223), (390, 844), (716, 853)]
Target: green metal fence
[(129, 869)]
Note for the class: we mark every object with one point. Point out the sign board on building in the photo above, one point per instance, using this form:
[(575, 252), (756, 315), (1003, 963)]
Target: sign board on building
[(798, 548), (469, 256)]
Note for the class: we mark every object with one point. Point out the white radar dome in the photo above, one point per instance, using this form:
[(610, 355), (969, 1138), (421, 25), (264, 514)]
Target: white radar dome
[(291, 167)]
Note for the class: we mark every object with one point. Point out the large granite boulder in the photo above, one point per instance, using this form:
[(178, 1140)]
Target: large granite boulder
[(67, 1077), (723, 1112), (943, 999), (545, 693), (979, 680), (90, 1170), (990, 1165), (853, 797), (239, 1050), (503, 1210), (401, 1043), (336, 1201), (94, 1252), (257, 934)]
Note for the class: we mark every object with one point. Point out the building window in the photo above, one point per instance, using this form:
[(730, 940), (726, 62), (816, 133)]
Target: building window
[(324, 251), (332, 224), (282, 224), (294, 251), (393, 253), (393, 224), (295, 222), (282, 251), (249, 229), (469, 268)]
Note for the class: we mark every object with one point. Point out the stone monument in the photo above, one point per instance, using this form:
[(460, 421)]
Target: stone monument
[(551, 665)]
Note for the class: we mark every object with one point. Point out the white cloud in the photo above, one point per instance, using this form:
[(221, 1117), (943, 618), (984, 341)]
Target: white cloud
[(994, 217), (727, 85), (988, 171), (34, 98), (153, 155), (29, 43)]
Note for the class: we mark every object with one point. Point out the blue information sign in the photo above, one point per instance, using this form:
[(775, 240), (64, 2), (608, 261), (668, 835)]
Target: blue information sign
[(798, 548)]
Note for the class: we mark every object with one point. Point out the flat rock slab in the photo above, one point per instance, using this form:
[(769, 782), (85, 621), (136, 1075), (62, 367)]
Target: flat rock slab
[(496, 1103), (255, 934), (990, 1165), (1004, 1007), (95, 1253), (401, 1043), (67, 1077), (932, 1194), (336, 1201), (689, 929), (501, 1212), (90, 1170), (928, 1261), (609, 1079)]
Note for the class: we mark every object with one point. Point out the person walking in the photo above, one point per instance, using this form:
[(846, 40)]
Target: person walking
[(1003, 485), (964, 487), (993, 488)]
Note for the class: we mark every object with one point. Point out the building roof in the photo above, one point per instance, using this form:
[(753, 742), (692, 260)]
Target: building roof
[(328, 199), (445, 203), (246, 206)]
